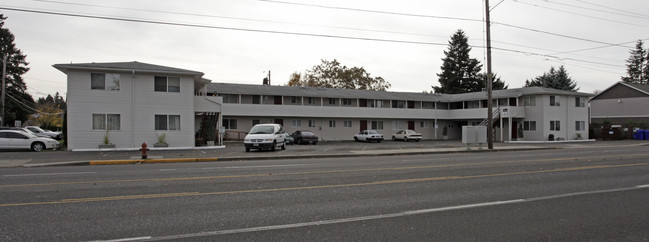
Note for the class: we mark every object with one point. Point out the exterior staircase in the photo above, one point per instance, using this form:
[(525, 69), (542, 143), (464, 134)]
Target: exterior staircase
[(495, 115)]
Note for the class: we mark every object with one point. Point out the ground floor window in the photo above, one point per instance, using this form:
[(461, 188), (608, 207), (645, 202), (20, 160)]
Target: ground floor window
[(106, 121), (296, 123), (580, 125), (230, 123), (311, 123), (167, 122), (423, 124), (377, 125), (332, 123), (555, 125), (399, 125), (529, 125), (347, 124)]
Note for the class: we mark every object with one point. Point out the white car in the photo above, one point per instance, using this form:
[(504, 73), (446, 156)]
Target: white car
[(368, 136), (14, 139), (44, 133), (406, 135), (265, 136)]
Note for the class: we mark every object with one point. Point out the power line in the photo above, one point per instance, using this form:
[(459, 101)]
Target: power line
[(374, 11), (583, 15), (336, 27), (230, 18), (594, 48), (561, 35), (30, 108), (442, 17), (217, 27), (597, 10), (616, 9), (276, 32)]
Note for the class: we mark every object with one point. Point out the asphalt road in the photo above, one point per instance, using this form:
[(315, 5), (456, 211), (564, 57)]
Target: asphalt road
[(596, 193)]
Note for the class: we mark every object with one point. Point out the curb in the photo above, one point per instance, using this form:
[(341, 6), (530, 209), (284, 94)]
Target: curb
[(243, 158), (140, 161)]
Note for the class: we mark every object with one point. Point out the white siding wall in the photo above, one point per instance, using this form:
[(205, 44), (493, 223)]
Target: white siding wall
[(140, 106)]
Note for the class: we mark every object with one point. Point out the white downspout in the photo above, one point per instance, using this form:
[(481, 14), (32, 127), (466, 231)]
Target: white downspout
[(132, 109)]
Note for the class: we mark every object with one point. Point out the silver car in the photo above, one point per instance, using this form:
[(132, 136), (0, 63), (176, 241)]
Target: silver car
[(14, 139)]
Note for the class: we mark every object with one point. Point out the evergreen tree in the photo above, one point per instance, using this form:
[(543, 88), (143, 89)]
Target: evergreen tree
[(17, 99), (557, 79), (636, 66), (460, 72), (496, 82)]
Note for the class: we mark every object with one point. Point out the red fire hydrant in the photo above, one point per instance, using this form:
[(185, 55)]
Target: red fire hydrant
[(144, 150)]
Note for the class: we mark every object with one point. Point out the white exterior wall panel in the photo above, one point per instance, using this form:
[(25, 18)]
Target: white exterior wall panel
[(139, 106)]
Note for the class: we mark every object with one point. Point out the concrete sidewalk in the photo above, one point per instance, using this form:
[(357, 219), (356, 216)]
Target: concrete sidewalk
[(234, 151)]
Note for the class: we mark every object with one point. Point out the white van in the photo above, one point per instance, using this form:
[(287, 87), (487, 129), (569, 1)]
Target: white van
[(265, 136)]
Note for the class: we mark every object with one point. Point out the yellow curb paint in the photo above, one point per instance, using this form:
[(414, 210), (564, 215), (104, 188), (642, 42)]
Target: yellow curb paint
[(207, 159)]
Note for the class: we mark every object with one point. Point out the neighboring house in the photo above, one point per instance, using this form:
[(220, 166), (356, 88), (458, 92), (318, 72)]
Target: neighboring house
[(337, 114), (134, 102), (621, 104)]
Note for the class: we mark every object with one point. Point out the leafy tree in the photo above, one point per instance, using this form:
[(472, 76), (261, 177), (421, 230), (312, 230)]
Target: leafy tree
[(49, 116), (557, 79), (50, 112), (637, 66), (332, 74), (17, 99), (460, 72)]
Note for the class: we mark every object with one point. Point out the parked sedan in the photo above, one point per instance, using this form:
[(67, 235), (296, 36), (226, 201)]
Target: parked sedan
[(14, 139), (407, 135), (289, 139), (44, 132), (368, 136), (305, 137)]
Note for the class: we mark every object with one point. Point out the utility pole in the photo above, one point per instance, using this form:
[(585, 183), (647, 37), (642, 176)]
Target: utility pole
[(490, 127), (4, 89)]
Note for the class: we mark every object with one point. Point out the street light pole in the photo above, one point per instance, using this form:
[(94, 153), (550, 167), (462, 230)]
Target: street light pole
[(490, 133)]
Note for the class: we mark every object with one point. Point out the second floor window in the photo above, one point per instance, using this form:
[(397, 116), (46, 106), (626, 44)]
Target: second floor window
[(529, 101), (230, 98), (580, 102), (166, 84), (104, 81), (554, 101)]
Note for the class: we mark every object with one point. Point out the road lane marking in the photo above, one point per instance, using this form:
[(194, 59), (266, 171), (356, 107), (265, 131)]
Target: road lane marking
[(318, 172), (384, 216), (233, 167), (51, 174), (374, 183), (125, 239)]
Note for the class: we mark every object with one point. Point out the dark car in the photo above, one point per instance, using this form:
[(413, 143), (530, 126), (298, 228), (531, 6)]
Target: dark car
[(289, 139), (305, 137)]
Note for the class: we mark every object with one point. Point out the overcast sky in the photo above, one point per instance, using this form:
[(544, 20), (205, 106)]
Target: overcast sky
[(238, 41)]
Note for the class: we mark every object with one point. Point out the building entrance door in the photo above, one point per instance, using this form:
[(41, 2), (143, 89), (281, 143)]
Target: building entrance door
[(363, 125)]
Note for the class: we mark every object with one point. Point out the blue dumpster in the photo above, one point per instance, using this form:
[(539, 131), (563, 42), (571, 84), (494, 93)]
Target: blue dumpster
[(646, 134), (638, 134)]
